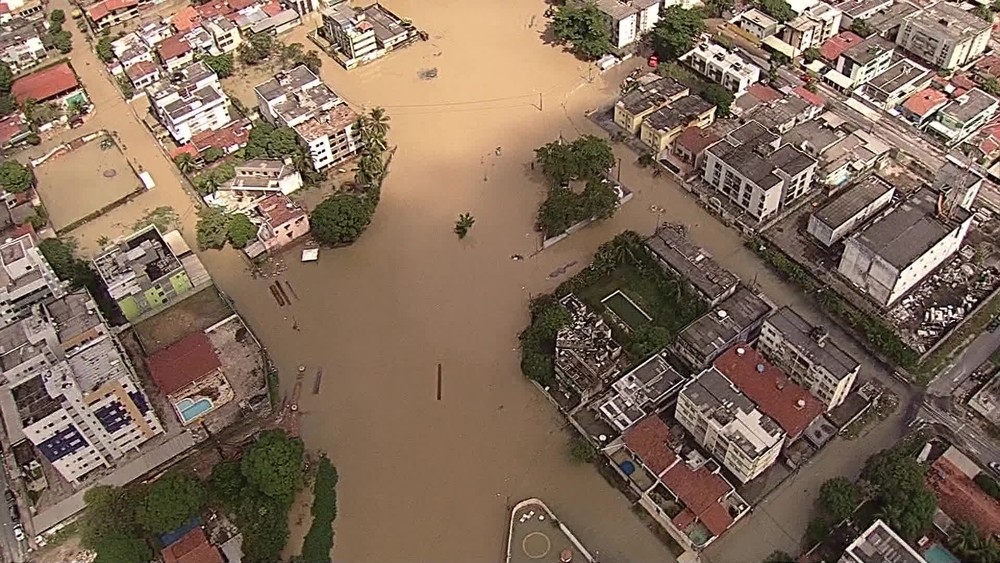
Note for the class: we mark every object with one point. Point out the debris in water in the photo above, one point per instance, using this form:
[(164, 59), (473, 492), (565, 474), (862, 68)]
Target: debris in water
[(429, 73)]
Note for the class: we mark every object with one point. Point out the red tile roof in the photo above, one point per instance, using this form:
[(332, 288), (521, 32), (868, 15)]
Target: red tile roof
[(963, 81), (45, 84), (989, 65), (701, 492), (791, 406), (183, 362), (808, 96), (277, 209), (695, 139), (185, 19), (924, 101), (764, 93), (217, 8), (98, 11), (173, 46), (183, 149), (650, 440), (272, 8), (10, 126), (962, 499), (237, 5), (192, 548), (141, 68), (836, 45), (234, 135)]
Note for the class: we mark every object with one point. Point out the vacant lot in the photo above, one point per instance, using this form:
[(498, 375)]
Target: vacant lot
[(196, 313), (84, 181)]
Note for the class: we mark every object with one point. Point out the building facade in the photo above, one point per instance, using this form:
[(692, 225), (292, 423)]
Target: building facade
[(963, 116), (866, 60), (651, 93), (629, 20), (845, 211), (661, 128), (27, 278), (189, 102), (725, 67), (812, 27), (944, 35)]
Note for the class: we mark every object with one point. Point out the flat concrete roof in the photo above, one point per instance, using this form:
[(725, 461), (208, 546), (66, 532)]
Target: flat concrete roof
[(849, 203)]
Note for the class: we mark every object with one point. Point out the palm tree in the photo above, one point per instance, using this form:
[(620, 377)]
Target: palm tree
[(370, 169), (378, 123), (963, 537), (464, 224), (184, 162)]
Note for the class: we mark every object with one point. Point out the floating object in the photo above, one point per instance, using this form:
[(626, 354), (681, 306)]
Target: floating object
[(653, 61), (310, 255)]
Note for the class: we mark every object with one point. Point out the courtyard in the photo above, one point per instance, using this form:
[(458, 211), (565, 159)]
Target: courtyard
[(197, 312)]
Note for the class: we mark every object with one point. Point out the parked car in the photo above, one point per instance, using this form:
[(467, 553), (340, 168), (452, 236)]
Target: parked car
[(995, 466), (19, 532), (10, 497), (15, 514)]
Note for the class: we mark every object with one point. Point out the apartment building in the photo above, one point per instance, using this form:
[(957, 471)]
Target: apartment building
[(21, 45), (734, 320), (807, 355), (587, 357), (629, 20), (866, 60), (848, 209), (880, 543), (108, 13), (225, 34), (189, 102), (639, 392), (721, 65), (756, 172), (650, 93), (25, 9), (681, 258), (944, 35), (349, 31), (758, 24), (897, 83), (74, 393), (812, 27), (963, 116), (26, 278), (662, 127)]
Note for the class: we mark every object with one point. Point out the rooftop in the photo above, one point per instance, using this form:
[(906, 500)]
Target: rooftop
[(136, 261), (833, 47), (192, 548), (964, 108), (695, 139), (961, 498), (618, 9), (868, 50), (183, 362), (585, 352), (98, 11), (640, 391), (757, 162), (725, 322), (651, 95), (678, 114), (808, 96), (277, 209), (925, 101), (880, 544), (944, 18), (759, 18), (954, 175), (814, 133), (173, 46), (232, 135), (385, 23), (141, 69), (791, 406), (45, 84), (671, 245), (812, 342), (286, 82), (901, 74), (850, 202), (328, 123), (892, 16)]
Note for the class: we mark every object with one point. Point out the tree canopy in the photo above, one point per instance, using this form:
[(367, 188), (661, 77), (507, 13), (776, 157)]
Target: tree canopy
[(15, 177), (676, 31), (212, 228), (273, 464), (220, 64), (584, 28), (227, 483), (777, 9), (716, 8), (104, 50), (240, 230), (718, 96), (585, 158), (170, 501), (861, 27), (839, 497), (341, 219), (896, 484), (109, 526)]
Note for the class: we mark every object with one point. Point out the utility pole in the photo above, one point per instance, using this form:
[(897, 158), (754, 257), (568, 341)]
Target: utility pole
[(619, 170), (539, 101)]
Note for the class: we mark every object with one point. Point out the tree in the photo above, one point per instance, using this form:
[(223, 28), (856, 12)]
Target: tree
[(558, 212), (588, 157), (15, 177), (861, 27), (716, 8), (718, 96), (220, 64), (313, 61), (109, 527), (318, 542), (777, 9), (896, 484), (647, 339), (376, 124), (839, 498), (963, 537), (988, 484), (273, 464), (257, 48), (62, 40), (240, 230), (212, 154), (779, 557), (811, 54), (213, 228), (581, 450), (990, 85), (61, 256), (599, 200), (282, 142), (291, 54), (340, 219), (184, 162), (778, 60), (227, 484), (120, 548), (264, 523), (548, 317), (817, 530), (676, 31), (126, 87), (464, 224), (170, 501), (57, 17), (984, 13), (104, 50), (584, 28)]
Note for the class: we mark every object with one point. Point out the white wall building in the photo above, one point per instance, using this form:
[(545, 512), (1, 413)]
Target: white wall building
[(629, 20), (26, 278), (225, 34), (350, 32), (944, 35), (812, 27), (717, 63), (849, 209), (192, 104)]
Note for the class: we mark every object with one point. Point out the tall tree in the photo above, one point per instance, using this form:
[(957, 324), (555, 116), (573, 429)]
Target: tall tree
[(716, 8), (777, 9), (170, 501), (340, 219), (240, 230), (839, 497), (15, 177), (676, 31), (584, 28), (274, 464), (718, 96)]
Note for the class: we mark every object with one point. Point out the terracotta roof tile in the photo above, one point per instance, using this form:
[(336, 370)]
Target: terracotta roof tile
[(173, 46), (961, 498), (833, 47), (141, 69), (989, 65), (924, 101), (695, 139), (272, 8), (764, 93), (277, 209), (212, 9), (650, 440), (11, 126), (963, 81), (183, 362), (808, 96), (234, 135), (185, 19), (45, 84), (192, 548), (791, 406), (98, 11), (701, 492)]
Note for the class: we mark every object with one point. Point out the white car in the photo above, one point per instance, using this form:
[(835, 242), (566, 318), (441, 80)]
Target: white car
[(19, 532)]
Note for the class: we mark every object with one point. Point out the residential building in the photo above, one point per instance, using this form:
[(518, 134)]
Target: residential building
[(278, 23), (880, 543), (225, 34), (816, 136), (864, 61), (69, 388), (662, 127), (736, 319), (851, 157), (891, 255), (861, 9), (691, 145), (839, 216), (189, 374), (808, 356), (944, 35), (349, 31), (757, 94), (14, 130), (668, 475), (256, 179), (886, 22), (757, 173), (189, 102), (676, 254), (24, 9), (107, 13), (812, 27), (331, 137), (56, 84), (832, 48), (145, 273), (175, 52), (629, 20), (963, 116), (143, 74), (130, 49), (586, 355), (780, 115), (280, 223), (958, 496), (721, 65), (21, 45), (26, 278), (639, 392), (897, 84), (651, 93), (152, 33), (192, 547), (758, 24), (728, 425)]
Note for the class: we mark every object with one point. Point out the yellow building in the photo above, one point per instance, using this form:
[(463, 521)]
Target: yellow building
[(651, 94), (661, 128)]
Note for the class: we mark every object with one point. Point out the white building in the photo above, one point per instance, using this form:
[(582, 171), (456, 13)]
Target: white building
[(756, 173), (639, 392), (944, 35), (73, 391), (21, 46), (225, 34), (629, 20), (866, 60), (26, 278), (812, 27), (350, 32), (848, 209), (190, 103), (720, 65), (808, 356), (130, 49), (758, 24), (255, 180), (880, 543)]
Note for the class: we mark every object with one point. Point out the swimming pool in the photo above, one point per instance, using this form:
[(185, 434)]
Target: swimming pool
[(190, 409), (939, 554)]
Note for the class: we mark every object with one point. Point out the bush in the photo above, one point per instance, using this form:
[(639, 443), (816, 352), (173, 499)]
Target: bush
[(988, 484), (581, 450), (240, 230), (341, 219), (319, 540)]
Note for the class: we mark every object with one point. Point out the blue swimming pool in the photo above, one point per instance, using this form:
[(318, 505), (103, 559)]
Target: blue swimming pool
[(190, 409), (939, 554)]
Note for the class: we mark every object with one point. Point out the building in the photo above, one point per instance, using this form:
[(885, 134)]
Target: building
[(364, 34), (891, 255), (225, 34), (130, 49), (255, 180), (26, 278), (779, 116), (192, 547), (189, 374), (323, 122), (651, 93), (639, 392), (629, 20), (175, 52), (758, 24), (21, 45), (108, 13), (755, 172), (277, 23), (880, 543), (14, 130), (897, 83), (71, 389), (145, 273), (958, 496), (143, 74), (865, 60), (734, 320), (808, 356), (152, 33), (676, 254), (832, 48), (944, 35), (720, 65), (691, 145), (921, 106), (662, 127), (189, 102), (847, 210), (25, 9), (851, 157), (281, 222), (963, 116), (586, 355), (56, 84), (812, 27)]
